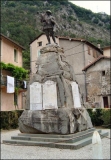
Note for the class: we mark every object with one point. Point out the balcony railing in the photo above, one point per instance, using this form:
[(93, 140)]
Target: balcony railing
[(18, 83)]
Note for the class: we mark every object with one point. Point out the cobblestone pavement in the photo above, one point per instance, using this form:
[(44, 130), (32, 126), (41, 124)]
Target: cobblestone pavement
[(36, 152)]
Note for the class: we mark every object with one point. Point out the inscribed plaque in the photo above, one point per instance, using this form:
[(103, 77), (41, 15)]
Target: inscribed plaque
[(76, 96), (35, 96), (50, 95)]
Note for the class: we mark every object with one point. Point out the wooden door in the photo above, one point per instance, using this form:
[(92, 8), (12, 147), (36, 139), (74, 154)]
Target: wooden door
[(105, 101)]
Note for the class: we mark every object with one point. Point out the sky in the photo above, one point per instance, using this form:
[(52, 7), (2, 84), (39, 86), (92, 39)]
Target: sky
[(94, 6)]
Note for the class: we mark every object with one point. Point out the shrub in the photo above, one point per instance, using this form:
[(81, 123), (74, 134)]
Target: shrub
[(11, 4), (92, 29), (108, 26), (106, 117), (72, 35), (96, 20), (96, 116), (100, 24), (80, 24), (9, 119)]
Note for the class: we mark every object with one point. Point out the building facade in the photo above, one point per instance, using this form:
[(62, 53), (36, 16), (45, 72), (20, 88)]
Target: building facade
[(11, 52), (98, 82), (79, 53), (107, 51)]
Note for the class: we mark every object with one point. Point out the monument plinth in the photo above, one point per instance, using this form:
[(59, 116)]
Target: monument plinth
[(54, 103)]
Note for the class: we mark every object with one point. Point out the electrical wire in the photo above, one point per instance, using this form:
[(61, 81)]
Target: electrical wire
[(70, 54), (73, 47), (67, 55), (78, 52), (64, 51)]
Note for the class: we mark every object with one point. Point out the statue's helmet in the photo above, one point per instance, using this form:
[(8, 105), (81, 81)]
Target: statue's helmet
[(48, 11)]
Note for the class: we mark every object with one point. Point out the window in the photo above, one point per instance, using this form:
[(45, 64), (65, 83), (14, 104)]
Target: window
[(15, 55), (39, 43), (103, 73), (105, 102)]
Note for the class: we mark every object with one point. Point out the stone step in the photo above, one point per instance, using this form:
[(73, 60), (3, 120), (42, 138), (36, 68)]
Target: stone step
[(75, 145), (41, 139), (25, 142), (57, 135), (78, 144), (76, 139), (54, 139)]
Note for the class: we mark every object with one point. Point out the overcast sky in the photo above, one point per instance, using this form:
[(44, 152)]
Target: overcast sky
[(94, 6)]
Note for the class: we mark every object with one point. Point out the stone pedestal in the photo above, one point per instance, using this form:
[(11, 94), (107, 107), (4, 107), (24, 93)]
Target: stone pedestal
[(54, 103), (61, 121)]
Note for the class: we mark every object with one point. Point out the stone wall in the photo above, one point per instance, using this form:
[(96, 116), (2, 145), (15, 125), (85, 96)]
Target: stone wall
[(98, 85)]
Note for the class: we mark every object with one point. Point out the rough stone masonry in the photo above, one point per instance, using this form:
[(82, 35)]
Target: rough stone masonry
[(57, 110)]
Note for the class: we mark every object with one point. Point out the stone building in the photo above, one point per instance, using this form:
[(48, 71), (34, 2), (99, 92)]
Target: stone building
[(78, 52), (107, 51), (11, 52), (98, 82)]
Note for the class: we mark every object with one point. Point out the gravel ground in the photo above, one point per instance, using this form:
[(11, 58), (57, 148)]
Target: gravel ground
[(36, 152)]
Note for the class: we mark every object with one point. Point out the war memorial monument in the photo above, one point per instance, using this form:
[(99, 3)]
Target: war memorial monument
[(55, 115), (54, 103)]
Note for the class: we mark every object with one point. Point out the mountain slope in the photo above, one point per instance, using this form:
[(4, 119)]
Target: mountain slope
[(20, 21)]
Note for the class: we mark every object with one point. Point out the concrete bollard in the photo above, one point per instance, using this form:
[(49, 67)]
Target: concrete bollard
[(96, 146)]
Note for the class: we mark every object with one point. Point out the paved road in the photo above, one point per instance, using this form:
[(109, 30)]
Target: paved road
[(36, 152)]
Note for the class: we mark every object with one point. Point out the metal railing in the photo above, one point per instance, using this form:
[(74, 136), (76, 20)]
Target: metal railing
[(18, 83)]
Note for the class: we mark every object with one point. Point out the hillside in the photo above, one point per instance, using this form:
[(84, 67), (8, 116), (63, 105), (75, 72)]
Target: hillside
[(20, 21)]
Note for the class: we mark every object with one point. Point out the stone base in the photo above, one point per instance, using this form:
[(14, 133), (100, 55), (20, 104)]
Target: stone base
[(71, 141), (61, 121)]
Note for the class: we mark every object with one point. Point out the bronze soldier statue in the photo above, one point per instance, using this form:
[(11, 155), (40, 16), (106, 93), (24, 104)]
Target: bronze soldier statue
[(49, 25)]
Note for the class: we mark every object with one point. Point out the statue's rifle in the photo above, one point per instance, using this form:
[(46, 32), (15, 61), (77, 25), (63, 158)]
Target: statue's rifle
[(42, 16)]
